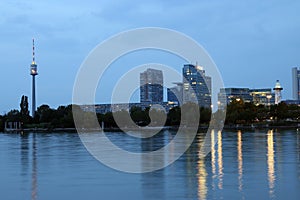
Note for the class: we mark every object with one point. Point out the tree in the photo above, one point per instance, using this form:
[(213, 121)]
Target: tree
[(24, 106), (24, 112), (44, 114), (174, 116), (13, 116), (139, 116), (205, 115), (190, 114), (157, 117)]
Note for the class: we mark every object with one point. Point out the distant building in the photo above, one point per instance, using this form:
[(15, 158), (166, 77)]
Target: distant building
[(151, 87), (257, 96), (277, 90), (196, 85), (105, 108), (174, 94), (296, 83), (262, 96), (233, 93), (290, 102)]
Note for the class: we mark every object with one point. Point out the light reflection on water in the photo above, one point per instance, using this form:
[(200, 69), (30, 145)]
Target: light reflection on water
[(202, 176), (34, 183), (220, 160), (271, 162), (240, 159), (241, 165)]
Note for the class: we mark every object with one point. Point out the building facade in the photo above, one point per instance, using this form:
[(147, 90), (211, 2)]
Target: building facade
[(226, 95), (174, 94), (262, 96), (106, 108), (296, 83), (151, 87), (196, 85)]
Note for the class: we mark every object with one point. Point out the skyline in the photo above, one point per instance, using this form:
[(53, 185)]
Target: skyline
[(243, 38)]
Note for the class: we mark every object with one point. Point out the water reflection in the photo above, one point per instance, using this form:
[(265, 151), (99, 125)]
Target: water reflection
[(152, 181), (298, 150), (213, 157), (240, 159), (24, 153), (271, 162), (220, 160), (247, 164), (28, 159), (216, 165), (34, 169), (202, 174)]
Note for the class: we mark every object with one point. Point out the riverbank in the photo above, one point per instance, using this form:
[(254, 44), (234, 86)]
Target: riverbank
[(202, 128)]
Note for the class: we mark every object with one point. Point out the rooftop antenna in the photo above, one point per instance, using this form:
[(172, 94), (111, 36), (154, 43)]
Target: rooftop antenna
[(33, 56)]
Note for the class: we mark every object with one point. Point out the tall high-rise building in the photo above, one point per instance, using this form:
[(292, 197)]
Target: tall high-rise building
[(277, 90), (296, 83), (196, 85), (151, 87), (33, 73)]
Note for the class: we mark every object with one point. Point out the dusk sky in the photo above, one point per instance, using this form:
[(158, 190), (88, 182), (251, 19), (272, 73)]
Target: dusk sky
[(253, 43)]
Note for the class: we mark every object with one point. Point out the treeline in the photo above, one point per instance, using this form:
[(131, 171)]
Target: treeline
[(45, 117), (154, 117), (240, 112), (62, 117)]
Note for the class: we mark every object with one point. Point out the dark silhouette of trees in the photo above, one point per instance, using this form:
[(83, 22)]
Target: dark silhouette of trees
[(140, 116), (24, 112), (238, 112), (174, 116), (13, 116)]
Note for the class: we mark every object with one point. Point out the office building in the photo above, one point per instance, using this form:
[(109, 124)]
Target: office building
[(233, 93), (296, 83), (196, 85), (262, 96), (151, 87)]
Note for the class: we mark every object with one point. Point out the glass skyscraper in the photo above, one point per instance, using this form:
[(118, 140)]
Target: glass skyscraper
[(196, 85), (296, 83), (151, 87)]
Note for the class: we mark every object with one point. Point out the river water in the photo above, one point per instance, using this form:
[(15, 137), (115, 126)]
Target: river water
[(262, 164)]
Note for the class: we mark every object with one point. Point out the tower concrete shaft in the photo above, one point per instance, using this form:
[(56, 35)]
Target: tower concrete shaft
[(33, 97)]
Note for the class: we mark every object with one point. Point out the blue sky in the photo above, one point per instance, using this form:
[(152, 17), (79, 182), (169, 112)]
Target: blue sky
[(253, 43)]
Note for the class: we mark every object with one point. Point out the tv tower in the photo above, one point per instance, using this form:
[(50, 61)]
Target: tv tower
[(33, 73), (277, 89)]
